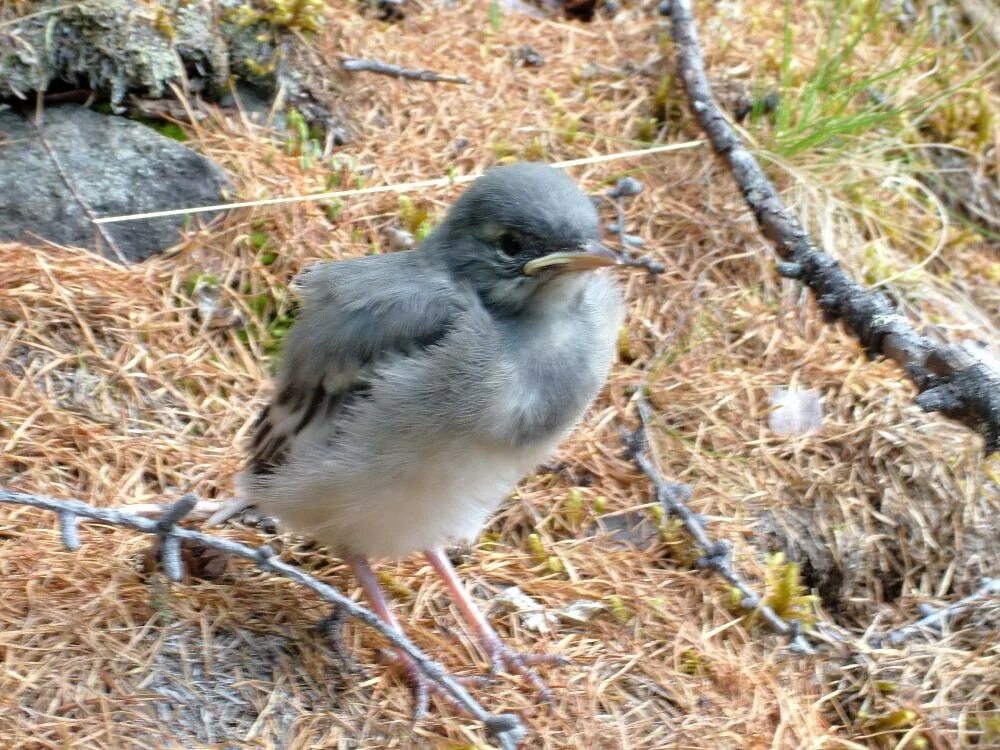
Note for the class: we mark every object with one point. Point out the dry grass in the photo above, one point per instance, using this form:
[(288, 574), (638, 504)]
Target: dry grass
[(115, 389)]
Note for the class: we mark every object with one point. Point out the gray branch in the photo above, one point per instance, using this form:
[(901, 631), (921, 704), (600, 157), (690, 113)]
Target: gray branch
[(506, 729), (953, 380), (716, 555), (359, 64), (625, 188), (937, 619)]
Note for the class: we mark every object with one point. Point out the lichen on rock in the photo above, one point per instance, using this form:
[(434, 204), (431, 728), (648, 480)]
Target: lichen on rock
[(121, 46)]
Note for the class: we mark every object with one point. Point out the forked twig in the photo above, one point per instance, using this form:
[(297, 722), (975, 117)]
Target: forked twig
[(936, 619), (953, 380), (506, 729), (625, 188), (716, 555)]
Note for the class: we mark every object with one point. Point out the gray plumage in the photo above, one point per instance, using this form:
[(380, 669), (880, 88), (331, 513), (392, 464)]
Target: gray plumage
[(418, 387)]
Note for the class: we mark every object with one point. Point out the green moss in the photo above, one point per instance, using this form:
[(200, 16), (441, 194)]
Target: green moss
[(259, 239), (490, 540), (573, 511), (786, 595), (618, 608), (286, 15), (647, 129), (989, 725), (171, 130), (412, 216), (536, 150), (888, 729), (271, 318), (167, 129), (259, 70), (624, 345), (571, 129), (502, 150), (395, 585), (536, 548), (192, 283), (666, 104), (333, 209), (692, 663)]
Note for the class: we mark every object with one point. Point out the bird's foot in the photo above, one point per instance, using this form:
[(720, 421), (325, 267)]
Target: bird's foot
[(421, 686), (504, 658), (332, 628)]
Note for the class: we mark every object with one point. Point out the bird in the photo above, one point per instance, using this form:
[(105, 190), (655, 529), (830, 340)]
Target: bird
[(419, 386)]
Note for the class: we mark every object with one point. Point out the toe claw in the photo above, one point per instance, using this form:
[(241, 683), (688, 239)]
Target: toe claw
[(503, 657), (421, 700), (420, 685)]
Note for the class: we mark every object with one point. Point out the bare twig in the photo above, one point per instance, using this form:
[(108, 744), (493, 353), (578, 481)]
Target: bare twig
[(202, 510), (506, 729), (937, 619), (626, 188), (716, 555), (359, 64), (951, 379)]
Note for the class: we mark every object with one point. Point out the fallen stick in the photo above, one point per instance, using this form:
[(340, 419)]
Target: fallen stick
[(360, 64), (935, 620), (716, 555), (958, 381), (506, 729)]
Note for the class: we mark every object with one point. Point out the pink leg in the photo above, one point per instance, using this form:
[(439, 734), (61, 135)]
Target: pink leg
[(418, 682), (500, 654), (369, 584)]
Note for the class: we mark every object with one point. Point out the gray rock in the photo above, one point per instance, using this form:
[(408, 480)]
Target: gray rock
[(122, 50), (120, 47), (84, 164)]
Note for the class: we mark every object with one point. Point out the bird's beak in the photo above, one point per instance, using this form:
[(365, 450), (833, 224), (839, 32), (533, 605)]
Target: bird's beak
[(589, 255)]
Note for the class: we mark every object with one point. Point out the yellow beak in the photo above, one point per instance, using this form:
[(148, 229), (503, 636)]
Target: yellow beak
[(589, 256)]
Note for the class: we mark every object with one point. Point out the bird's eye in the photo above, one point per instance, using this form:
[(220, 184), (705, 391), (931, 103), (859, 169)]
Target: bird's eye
[(510, 244)]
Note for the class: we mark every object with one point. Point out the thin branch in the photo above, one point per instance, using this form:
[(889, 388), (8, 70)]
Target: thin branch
[(716, 555), (202, 510), (625, 188), (506, 729), (359, 64), (937, 619), (959, 382)]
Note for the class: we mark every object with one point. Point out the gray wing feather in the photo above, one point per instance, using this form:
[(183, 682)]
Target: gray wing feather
[(353, 315)]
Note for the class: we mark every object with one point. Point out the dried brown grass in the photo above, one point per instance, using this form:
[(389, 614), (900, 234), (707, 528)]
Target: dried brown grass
[(114, 389)]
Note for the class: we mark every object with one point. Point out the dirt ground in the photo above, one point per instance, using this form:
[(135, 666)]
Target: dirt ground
[(134, 385)]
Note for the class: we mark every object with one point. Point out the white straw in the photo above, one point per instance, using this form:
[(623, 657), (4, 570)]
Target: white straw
[(403, 187)]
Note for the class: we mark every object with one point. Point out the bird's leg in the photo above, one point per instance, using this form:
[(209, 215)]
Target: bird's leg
[(417, 680), (332, 628), (501, 655)]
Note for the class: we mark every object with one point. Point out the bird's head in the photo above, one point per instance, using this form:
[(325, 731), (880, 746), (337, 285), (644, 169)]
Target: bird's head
[(519, 233)]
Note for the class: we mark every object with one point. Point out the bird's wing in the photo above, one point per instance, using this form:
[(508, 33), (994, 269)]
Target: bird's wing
[(354, 315)]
